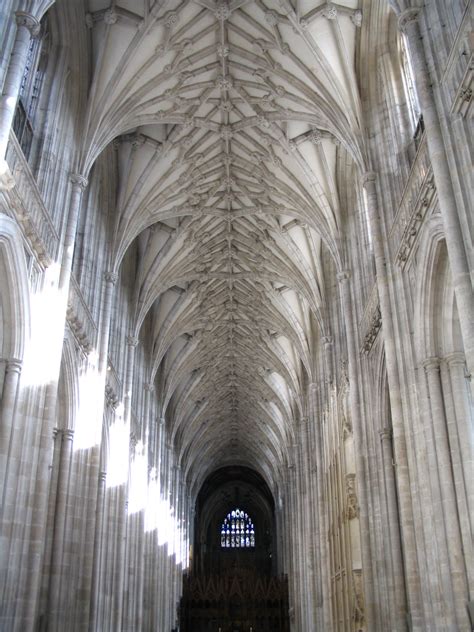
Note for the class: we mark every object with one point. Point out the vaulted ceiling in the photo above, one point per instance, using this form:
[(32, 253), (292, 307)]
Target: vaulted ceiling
[(234, 123)]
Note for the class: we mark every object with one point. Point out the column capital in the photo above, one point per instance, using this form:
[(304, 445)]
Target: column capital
[(368, 177), (343, 275), (431, 364), (28, 21), (407, 17), (149, 387), (13, 365), (313, 386), (132, 341), (326, 340), (385, 434), (68, 434), (110, 277), (102, 476), (78, 180), (455, 358)]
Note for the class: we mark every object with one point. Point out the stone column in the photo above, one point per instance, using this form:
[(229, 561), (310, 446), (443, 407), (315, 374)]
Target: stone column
[(457, 371), (132, 342), (7, 414), (110, 279), (359, 447), (448, 494), (27, 27), (459, 264), (323, 597), (308, 523), (461, 477), (79, 184), (399, 437), (397, 581), (97, 564), (58, 582)]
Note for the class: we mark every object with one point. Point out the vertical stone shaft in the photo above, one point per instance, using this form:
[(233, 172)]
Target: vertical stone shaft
[(408, 22), (7, 414), (399, 436), (58, 579), (79, 183), (448, 495), (397, 582), (359, 447), (98, 554), (27, 27)]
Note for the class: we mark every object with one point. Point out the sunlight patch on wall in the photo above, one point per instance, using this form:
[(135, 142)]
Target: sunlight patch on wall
[(88, 424), (119, 447), (159, 517), (43, 350)]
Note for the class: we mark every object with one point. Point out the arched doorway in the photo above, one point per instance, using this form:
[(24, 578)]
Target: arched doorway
[(233, 584)]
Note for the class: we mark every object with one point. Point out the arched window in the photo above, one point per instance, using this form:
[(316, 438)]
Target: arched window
[(30, 88), (237, 531), (409, 86)]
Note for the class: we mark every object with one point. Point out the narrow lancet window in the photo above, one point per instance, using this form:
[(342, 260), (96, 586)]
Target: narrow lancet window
[(237, 531)]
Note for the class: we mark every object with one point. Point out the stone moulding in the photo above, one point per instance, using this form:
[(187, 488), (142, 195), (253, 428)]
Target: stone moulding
[(462, 102), (80, 319), (458, 76), (416, 199), (419, 210), (28, 207)]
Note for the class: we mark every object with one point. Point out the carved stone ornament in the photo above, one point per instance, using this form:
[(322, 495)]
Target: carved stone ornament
[(110, 17), (132, 341), (356, 18), (111, 277), (352, 505), (78, 180), (222, 10), (330, 12), (171, 19), (358, 615), (315, 137)]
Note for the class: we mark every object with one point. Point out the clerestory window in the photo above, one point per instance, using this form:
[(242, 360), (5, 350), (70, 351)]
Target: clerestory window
[(237, 531), (32, 81)]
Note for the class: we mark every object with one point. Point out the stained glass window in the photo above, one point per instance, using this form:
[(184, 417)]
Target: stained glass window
[(237, 531)]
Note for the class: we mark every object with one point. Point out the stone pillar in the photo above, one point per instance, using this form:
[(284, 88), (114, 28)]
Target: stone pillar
[(397, 594), (132, 343), (359, 447), (27, 27), (457, 371), (79, 184), (58, 582), (323, 597), (462, 481), (457, 571), (97, 564), (7, 414), (459, 264), (110, 279), (308, 524), (399, 437)]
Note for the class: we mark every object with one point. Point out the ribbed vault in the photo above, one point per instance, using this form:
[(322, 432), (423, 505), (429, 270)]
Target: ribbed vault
[(233, 125)]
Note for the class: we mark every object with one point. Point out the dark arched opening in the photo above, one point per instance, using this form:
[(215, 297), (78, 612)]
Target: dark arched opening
[(233, 582)]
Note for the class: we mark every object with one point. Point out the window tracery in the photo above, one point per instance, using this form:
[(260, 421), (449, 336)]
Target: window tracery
[(30, 88), (237, 530)]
